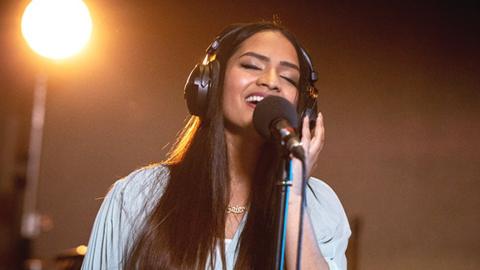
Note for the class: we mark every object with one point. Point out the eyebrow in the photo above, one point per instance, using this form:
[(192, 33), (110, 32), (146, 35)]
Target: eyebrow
[(266, 59)]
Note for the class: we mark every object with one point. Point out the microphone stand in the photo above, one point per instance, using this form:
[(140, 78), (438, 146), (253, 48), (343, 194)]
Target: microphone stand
[(282, 214)]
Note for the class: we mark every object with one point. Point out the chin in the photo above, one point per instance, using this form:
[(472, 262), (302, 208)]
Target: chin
[(245, 128)]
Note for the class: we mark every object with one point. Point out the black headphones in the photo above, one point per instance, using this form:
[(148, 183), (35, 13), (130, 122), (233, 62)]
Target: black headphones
[(205, 75)]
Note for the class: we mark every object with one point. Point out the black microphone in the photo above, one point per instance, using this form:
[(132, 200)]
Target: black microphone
[(275, 118)]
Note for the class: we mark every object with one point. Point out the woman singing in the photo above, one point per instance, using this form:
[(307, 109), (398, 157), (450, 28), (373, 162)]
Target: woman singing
[(211, 203)]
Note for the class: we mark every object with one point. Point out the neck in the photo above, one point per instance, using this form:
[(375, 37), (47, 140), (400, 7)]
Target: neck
[(243, 153)]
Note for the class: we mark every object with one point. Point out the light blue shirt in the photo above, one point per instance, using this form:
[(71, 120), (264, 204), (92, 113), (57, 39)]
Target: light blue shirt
[(130, 199)]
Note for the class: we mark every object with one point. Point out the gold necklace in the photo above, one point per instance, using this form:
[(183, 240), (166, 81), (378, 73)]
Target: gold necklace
[(236, 209)]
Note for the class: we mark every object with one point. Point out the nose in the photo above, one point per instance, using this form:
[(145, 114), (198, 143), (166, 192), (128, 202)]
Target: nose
[(269, 78)]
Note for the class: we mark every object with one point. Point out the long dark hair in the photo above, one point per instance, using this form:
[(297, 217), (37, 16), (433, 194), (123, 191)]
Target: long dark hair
[(188, 223)]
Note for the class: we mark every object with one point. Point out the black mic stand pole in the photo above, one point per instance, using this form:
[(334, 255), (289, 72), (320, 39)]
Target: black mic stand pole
[(281, 231)]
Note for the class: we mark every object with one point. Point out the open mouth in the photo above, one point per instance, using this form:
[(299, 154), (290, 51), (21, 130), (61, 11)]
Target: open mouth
[(254, 99)]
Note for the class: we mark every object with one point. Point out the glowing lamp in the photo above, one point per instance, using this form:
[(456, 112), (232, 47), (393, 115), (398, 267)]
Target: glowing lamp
[(56, 29)]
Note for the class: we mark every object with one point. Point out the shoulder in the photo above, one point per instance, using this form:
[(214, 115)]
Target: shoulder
[(323, 194), (326, 210), (123, 210), (140, 187), (329, 222), (143, 180)]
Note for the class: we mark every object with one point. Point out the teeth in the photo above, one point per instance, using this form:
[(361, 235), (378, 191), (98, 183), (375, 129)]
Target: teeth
[(254, 99)]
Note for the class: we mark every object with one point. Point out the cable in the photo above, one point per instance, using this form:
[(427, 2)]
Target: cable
[(303, 204)]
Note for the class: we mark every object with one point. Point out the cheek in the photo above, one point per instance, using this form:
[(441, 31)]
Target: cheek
[(234, 84), (227, 87), (292, 96), (229, 93)]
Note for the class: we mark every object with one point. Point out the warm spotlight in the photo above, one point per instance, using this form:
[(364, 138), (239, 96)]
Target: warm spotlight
[(56, 29)]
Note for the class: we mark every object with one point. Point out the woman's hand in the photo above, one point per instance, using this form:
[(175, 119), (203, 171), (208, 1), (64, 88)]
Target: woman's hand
[(312, 144)]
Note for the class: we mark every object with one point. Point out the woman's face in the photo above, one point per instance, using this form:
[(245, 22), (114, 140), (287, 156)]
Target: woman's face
[(264, 64)]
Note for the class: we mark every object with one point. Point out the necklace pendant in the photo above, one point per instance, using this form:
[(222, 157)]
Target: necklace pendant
[(236, 209)]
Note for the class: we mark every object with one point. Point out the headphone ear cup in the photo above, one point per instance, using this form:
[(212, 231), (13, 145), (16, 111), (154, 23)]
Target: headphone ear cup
[(214, 72), (310, 108), (312, 113), (196, 89)]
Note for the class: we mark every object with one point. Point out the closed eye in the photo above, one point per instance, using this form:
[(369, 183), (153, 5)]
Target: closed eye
[(291, 81), (250, 66)]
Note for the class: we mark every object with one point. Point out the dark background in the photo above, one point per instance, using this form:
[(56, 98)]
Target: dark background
[(399, 91)]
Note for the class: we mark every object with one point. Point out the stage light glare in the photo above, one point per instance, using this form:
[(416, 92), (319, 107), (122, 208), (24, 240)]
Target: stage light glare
[(56, 29)]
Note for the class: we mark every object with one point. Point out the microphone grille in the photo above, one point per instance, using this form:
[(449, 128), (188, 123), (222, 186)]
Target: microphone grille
[(271, 109)]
